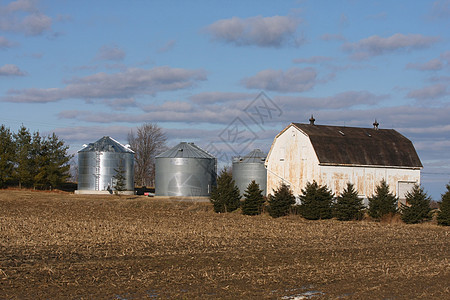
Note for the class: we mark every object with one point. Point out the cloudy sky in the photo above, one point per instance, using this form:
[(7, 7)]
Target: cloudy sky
[(229, 75)]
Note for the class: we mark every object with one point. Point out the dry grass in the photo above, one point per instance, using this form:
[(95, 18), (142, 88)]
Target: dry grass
[(94, 247)]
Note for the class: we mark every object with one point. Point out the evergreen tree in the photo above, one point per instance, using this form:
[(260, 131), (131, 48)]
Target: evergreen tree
[(443, 217), (50, 161), (316, 202), (417, 208), (348, 205), (119, 179), (280, 203), (23, 171), (253, 200), (225, 197), (383, 202), (7, 152)]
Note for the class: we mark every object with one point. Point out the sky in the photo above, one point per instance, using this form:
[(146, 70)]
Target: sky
[(229, 75)]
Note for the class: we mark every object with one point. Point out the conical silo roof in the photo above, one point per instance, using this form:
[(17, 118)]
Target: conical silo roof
[(106, 144), (256, 156), (185, 150)]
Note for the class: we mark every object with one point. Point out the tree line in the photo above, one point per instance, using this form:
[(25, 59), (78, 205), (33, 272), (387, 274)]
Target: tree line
[(319, 202), (31, 160)]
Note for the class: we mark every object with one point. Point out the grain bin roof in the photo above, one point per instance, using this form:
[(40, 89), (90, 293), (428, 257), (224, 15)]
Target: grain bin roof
[(338, 145), (256, 156), (185, 150), (106, 144)]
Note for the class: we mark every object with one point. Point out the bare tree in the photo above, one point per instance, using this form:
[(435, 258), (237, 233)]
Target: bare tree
[(148, 142)]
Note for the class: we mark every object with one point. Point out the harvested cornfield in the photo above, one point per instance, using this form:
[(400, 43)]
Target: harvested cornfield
[(61, 246)]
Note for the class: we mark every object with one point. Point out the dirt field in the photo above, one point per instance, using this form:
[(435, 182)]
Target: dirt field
[(65, 246)]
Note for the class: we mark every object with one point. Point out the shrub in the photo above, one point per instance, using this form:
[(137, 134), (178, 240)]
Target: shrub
[(348, 205), (253, 200), (281, 201), (225, 197), (383, 202), (316, 202), (417, 208)]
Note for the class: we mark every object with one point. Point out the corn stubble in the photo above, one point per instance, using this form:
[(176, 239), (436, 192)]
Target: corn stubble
[(78, 246)]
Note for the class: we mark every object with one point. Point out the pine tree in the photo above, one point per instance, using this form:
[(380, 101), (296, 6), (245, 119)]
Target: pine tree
[(50, 161), (348, 205), (383, 202), (316, 202), (7, 152), (225, 197), (443, 217), (253, 200), (280, 203), (417, 208), (119, 180), (23, 171)]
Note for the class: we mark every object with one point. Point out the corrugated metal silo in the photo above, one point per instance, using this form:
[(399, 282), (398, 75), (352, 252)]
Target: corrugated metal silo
[(248, 168), (185, 170), (98, 164)]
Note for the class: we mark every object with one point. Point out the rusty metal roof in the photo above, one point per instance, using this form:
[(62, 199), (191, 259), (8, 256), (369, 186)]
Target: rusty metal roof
[(338, 145)]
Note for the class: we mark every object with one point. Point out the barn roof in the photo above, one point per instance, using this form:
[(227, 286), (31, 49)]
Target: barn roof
[(337, 145)]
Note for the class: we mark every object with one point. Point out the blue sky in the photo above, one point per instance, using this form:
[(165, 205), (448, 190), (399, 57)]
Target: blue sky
[(85, 69)]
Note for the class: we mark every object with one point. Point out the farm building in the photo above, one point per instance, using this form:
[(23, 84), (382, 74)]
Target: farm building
[(336, 155), (248, 168), (185, 170), (99, 163)]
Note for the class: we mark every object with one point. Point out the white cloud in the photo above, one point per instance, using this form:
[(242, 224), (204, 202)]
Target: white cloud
[(110, 52), (440, 9), (312, 60), (36, 24), (129, 83), (167, 47), (276, 31), (429, 92), (445, 56), (376, 45), (5, 43), (292, 80), (21, 5), (333, 37), (344, 100), (25, 17), (431, 65), (11, 70), (221, 97)]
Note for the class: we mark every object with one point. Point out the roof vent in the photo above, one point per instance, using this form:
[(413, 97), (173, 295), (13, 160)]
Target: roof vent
[(375, 124), (312, 120), (341, 132)]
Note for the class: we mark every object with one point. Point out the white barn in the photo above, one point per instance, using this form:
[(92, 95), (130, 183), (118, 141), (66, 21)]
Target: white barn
[(335, 155)]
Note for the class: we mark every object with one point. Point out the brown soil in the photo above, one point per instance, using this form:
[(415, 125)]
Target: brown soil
[(65, 246)]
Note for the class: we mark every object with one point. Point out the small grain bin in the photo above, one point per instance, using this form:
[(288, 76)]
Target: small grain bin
[(185, 170), (248, 168), (99, 163)]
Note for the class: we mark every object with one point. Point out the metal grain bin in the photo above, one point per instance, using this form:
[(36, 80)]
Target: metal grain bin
[(97, 165), (185, 170), (248, 168)]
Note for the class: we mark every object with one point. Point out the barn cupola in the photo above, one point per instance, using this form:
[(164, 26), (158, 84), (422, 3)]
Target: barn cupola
[(312, 120), (375, 124)]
